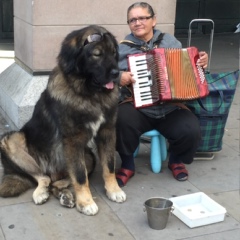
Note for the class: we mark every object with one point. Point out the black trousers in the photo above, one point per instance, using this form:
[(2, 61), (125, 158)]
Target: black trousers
[(180, 127)]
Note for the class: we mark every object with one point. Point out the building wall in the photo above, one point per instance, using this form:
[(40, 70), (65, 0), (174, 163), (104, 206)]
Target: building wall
[(40, 26), (226, 16)]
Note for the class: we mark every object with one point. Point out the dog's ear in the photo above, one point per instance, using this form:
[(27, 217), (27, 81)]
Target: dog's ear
[(113, 40), (69, 53)]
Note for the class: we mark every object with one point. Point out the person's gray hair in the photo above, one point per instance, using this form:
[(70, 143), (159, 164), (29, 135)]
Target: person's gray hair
[(142, 5)]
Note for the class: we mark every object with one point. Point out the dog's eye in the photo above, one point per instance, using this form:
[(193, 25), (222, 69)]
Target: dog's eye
[(97, 52)]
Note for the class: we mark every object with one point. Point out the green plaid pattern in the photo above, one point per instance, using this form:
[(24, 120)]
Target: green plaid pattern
[(212, 111), (212, 131)]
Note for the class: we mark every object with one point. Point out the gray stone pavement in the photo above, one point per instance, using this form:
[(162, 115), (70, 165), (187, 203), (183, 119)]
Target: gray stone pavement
[(218, 178)]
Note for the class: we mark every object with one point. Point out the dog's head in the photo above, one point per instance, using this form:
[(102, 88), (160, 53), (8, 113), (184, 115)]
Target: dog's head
[(91, 55)]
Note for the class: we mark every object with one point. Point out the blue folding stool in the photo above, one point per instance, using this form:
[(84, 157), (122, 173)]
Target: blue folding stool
[(158, 149)]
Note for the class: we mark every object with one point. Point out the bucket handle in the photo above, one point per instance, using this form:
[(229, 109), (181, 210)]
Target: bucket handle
[(172, 209)]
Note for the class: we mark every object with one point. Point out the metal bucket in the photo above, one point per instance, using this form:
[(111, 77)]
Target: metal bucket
[(158, 210)]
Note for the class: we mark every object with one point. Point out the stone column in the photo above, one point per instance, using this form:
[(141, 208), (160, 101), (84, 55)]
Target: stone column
[(40, 27)]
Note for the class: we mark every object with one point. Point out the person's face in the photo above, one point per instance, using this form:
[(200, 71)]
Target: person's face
[(141, 28)]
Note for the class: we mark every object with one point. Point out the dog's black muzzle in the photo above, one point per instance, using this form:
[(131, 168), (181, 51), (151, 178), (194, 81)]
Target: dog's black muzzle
[(114, 73)]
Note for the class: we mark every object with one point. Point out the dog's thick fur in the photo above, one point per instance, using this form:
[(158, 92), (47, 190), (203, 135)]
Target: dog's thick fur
[(75, 115)]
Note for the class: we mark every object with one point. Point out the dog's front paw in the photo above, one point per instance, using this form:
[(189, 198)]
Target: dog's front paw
[(40, 195), (119, 196), (89, 210)]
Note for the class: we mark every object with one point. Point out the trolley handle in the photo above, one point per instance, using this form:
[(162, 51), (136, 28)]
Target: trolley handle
[(210, 21)]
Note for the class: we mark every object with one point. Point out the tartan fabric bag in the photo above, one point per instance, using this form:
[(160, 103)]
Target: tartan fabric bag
[(212, 111)]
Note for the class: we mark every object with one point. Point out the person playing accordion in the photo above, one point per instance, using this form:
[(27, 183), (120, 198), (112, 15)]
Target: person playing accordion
[(176, 123)]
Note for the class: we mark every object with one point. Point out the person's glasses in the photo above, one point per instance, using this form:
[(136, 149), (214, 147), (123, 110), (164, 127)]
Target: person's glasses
[(133, 21), (96, 37)]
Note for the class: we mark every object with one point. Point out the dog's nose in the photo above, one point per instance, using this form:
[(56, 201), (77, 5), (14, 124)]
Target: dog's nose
[(114, 73)]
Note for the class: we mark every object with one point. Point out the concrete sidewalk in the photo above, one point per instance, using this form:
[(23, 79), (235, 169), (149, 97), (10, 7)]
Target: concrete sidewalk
[(219, 179)]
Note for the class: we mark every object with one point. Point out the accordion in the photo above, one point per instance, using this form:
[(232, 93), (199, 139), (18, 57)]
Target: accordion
[(165, 74)]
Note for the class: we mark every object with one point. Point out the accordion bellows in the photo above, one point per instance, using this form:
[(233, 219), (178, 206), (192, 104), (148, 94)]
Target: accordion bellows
[(164, 74)]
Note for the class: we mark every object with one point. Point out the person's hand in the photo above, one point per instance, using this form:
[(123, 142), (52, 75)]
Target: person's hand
[(203, 59), (126, 79)]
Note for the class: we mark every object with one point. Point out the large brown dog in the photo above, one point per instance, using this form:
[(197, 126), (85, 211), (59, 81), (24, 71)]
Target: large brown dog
[(75, 115)]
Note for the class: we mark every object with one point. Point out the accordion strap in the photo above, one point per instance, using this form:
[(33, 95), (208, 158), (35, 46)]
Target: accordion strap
[(129, 98), (142, 47), (159, 39)]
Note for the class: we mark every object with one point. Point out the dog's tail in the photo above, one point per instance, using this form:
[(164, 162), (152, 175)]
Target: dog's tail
[(14, 185)]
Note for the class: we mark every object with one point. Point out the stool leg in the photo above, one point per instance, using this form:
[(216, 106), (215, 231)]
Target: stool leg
[(163, 146), (156, 162)]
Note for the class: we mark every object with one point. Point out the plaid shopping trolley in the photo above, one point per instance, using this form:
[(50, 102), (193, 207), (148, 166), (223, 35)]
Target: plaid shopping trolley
[(212, 111)]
